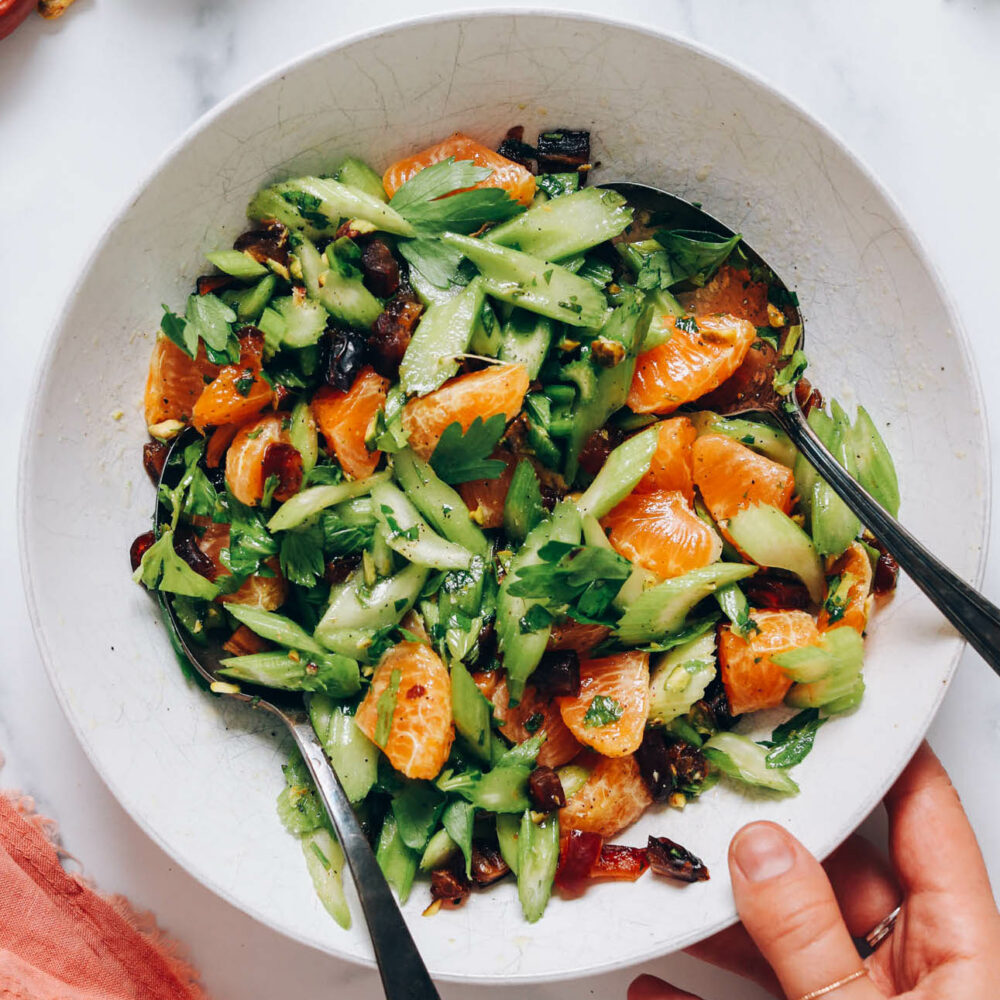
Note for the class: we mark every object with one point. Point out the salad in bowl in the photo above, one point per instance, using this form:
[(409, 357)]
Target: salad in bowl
[(437, 448)]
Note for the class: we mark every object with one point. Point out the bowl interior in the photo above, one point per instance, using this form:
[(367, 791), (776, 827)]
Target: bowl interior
[(201, 774)]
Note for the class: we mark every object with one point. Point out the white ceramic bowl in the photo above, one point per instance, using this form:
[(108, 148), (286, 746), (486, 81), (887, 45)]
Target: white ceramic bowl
[(200, 774)]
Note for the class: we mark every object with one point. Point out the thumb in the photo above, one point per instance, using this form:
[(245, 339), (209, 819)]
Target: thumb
[(786, 903)]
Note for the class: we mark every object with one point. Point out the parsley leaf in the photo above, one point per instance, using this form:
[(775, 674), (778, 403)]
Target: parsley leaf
[(654, 272), (385, 707), (791, 742), (695, 256), (603, 711), (436, 181), (460, 457), (209, 318), (308, 206), (341, 538), (578, 580), (174, 329), (556, 185), (785, 380), (163, 569), (442, 265), (686, 323), (250, 543), (301, 555)]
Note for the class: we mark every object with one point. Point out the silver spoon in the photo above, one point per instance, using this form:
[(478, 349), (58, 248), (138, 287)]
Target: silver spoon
[(404, 975), (751, 390)]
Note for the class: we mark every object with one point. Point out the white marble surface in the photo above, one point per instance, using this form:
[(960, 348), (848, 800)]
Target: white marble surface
[(88, 103)]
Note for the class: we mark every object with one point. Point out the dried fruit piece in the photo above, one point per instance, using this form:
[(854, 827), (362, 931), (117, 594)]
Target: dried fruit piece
[(670, 859)]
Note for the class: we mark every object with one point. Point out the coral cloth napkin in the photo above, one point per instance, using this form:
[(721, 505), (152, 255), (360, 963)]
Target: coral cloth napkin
[(60, 940)]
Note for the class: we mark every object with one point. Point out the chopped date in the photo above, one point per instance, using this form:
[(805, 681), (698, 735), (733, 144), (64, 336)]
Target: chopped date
[(251, 347), (380, 269), (545, 789), (138, 548), (886, 567), (450, 886), (688, 766), (807, 396), (673, 861), (622, 863), (654, 765), (558, 673), (268, 242), (595, 451), (715, 705), (515, 148), (578, 853), (340, 568), (209, 284), (776, 593), (345, 353), (154, 455), (186, 546), (486, 646), (562, 150), (392, 331), (285, 462), (488, 865)]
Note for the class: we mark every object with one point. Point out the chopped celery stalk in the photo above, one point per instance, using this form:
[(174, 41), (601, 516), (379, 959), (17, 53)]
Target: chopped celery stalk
[(508, 834), (526, 340), (487, 334), (443, 333), (522, 508), (353, 755), (839, 652), (303, 437), (760, 437), (537, 859), (471, 711), (332, 673), (411, 536), (439, 851), (277, 628), (317, 205), (624, 467), (325, 862), (679, 678), (357, 174), (458, 819), (313, 499), (438, 502), (875, 470), (341, 292), (573, 777), (637, 584), (429, 293), (299, 809), (662, 609), (522, 646), (397, 861), (736, 608), (661, 307), (848, 701), (739, 758), (772, 539), (833, 524), (249, 303), (304, 320), (806, 476), (565, 226), (532, 283), (593, 533), (502, 790), (354, 609), (273, 327), (237, 263)]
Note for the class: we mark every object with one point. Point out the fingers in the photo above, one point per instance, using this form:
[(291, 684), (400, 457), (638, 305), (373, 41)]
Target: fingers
[(863, 882), (788, 907), (651, 988), (733, 950)]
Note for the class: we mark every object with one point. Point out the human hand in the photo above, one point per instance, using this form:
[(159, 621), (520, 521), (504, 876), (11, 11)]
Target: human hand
[(797, 919)]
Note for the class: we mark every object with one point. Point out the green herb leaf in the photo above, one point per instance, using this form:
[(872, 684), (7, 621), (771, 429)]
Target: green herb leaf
[(654, 272), (250, 543), (695, 256), (556, 185), (436, 181), (175, 329), (603, 711), (308, 206), (386, 707), (163, 569), (460, 457), (211, 319), (301, 555), (686, 323), (464, 212), (784, 381), (439, 263), (791, 742)]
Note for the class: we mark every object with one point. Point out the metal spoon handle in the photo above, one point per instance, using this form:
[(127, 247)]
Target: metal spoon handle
[(975, 618), (404, 975)]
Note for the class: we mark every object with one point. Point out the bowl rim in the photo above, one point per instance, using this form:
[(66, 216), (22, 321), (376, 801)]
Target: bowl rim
[(204, 122)]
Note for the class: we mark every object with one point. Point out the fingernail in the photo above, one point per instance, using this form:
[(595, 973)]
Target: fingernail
[(761, 852)]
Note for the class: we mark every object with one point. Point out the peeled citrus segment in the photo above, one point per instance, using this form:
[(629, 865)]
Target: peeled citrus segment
[(516, 180), (614, 797), (731, 477), (535, 714), (751, 680), (581, 637), (660, 532), (848, 602), (245, 457), (175, 381), (485, 498), (344, 419), (672, 464), (421, 734), (235, 395), (609, 714), (730, 291), (265, 592), (492, 390), (702, 352)]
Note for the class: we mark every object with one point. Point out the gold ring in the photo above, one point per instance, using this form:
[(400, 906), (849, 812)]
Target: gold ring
[(824, 990)]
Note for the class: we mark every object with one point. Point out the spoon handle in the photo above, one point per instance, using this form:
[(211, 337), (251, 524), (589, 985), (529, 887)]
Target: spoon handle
[(972, 615), (404, 975)]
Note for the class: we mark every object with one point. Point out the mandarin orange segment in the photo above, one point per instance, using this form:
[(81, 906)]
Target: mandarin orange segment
[(485, 498), (581, 637), (609, 714), (730, 476), (174, 382), (660, 532), (854, 561), (535, 714), (421, 734), (672, 464), (702, 352), (751, 680), (516, 180), (614, 797), (245, 457), (344, 419), (492, 390), (235, 395), (730, 291)]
